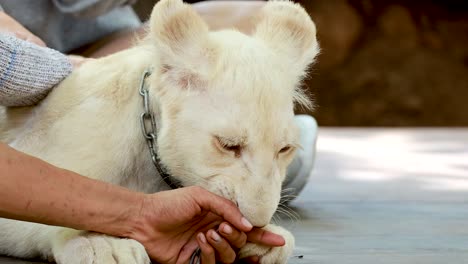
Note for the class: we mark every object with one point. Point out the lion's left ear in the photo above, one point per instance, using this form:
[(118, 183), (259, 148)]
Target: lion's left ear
[(287, 28), (181, 36)]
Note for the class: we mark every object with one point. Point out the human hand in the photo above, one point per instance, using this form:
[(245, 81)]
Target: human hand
[(172, 224), (11, 26), (221, 245), (77, 60)]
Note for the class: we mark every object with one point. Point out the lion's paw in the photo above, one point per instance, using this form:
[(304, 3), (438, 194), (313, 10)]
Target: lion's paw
[(92, 248), (268, 255)]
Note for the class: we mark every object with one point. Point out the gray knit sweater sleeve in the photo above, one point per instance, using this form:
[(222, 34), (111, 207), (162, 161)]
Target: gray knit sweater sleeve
[(89, 8), (28, 72)]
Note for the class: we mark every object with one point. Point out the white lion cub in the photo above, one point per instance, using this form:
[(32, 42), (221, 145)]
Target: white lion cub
[(223, 103)]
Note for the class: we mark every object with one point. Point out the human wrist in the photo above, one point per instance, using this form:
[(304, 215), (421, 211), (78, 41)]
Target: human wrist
[(138, 221), (122, 217)]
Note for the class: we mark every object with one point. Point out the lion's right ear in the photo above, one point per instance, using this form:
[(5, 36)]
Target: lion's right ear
[(181, 37), (287, 29)]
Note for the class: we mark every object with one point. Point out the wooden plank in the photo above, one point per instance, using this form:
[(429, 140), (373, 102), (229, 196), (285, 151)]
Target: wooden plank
[(385, 196)]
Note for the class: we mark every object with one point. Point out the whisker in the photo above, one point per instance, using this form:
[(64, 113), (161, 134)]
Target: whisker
[(274, 219), (288, 212), (285, 199), (290, 189), (289, 216)]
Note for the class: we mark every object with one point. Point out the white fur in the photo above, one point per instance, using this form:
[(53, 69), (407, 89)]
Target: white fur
[(204, 85)]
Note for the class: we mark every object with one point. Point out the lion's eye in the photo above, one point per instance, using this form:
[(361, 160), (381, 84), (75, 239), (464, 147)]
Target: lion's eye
[(285, 149), (229, 146), (233, 148)]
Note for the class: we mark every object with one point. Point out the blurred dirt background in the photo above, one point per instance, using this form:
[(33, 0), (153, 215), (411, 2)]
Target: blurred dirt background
[(388, 62)]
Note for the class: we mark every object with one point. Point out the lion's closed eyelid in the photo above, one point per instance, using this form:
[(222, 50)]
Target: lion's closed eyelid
[(226, 141), (296, 145), (287, 148), (231, 141), (229, 145)]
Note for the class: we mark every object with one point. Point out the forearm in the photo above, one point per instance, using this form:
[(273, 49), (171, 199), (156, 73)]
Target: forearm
[(33, 190)]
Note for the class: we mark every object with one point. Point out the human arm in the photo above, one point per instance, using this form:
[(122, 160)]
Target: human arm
[(11, 26), (33, 190), (165, 223)]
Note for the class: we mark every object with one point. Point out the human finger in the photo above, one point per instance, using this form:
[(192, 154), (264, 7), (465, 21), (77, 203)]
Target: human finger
[(235, 237), (222, 207), (188, 250), (36, 40), (223, 250), (207, 255), (9, 25), (264, 237), (29, 37), (77, 60)]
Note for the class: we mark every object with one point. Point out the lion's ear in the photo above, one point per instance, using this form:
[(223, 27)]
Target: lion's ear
[(287, 28), (181, 37)]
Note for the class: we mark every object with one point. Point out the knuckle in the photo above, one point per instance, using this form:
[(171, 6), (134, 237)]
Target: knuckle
[(225, 252), (19, 35), (197, 189), (209, 251), (228, 257), (229, 205), (223, 247), (242, 240), (230, 260)]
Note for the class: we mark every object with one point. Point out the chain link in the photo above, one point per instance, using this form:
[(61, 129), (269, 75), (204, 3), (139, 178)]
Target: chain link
[(147, 121), (149, 130)]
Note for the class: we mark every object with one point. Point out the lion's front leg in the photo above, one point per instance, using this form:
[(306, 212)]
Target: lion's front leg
[(72, 246), (271, 255)]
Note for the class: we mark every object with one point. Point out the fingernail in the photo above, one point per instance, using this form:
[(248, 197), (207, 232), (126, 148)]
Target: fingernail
[(246, 223), (202, 237), (215, 236), (227, 229)]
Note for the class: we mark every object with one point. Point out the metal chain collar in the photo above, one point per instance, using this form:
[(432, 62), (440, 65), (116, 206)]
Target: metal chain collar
[(149, 130)]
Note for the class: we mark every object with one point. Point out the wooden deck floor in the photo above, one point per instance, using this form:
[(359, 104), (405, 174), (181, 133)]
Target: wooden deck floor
[(383, 196)]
